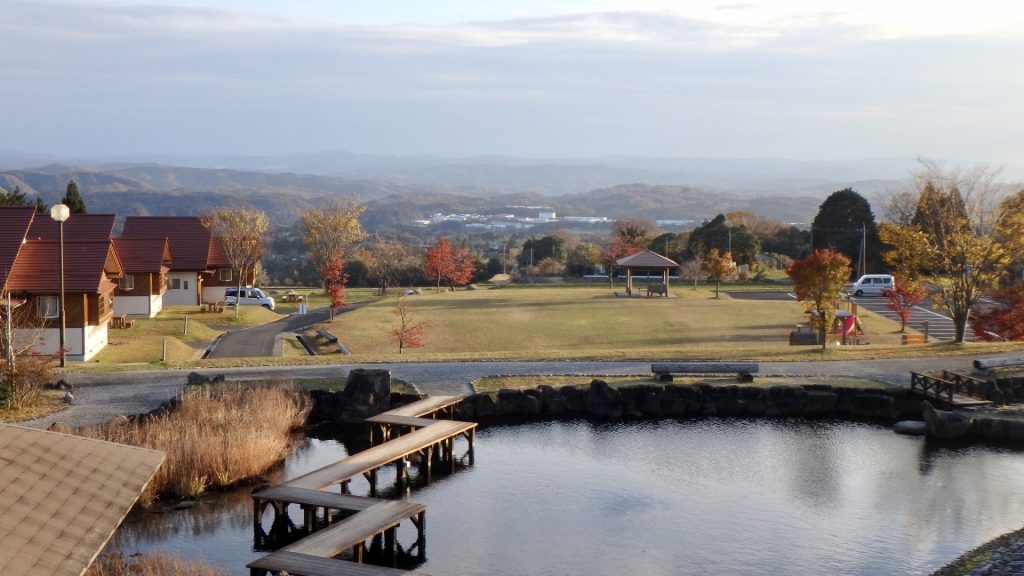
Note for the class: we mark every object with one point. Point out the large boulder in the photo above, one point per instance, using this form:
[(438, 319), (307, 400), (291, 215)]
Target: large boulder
[(367, 393), (602, 400)]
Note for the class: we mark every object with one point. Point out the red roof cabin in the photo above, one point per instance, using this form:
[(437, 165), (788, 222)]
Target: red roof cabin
[(146, 263), (199, 271)]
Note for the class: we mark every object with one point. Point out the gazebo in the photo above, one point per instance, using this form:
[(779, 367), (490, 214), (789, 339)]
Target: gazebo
[(648, 262)]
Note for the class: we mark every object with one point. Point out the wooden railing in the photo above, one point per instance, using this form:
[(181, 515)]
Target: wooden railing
[(948, 386)]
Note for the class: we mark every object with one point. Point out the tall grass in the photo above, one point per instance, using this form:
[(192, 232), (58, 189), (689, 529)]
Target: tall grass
[(214, 438), (150, 565)]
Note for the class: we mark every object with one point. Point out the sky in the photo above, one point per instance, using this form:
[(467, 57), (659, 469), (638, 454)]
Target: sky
[(821, 80)]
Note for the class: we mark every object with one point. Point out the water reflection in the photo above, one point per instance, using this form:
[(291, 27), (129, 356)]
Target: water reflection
[(718, 496)]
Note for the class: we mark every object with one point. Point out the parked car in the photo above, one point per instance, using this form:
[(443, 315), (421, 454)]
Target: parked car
[(248, 296), (872, 285)]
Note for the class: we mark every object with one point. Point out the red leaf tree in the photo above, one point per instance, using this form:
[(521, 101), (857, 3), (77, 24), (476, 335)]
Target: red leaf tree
[(1005, 320), (903, 298), (449, 264), (818, 280), (334, 285), (617, 249)]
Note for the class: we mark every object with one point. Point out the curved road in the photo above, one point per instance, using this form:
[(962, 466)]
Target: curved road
[(101, 396)]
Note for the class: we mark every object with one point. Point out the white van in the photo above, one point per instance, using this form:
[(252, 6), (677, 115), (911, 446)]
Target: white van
[(249, 296), (872, 285)]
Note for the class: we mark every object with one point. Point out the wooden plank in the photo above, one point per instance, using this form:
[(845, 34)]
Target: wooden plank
[(704, 367), (360, 527), (333, 500), (394, 420), (306, 565), (381, 454), (426, 406)]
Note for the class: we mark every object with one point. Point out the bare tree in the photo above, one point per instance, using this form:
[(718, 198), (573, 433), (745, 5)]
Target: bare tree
[(242, 233), (385, 258)]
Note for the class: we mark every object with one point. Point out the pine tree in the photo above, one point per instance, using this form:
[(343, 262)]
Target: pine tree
[(73, 200)]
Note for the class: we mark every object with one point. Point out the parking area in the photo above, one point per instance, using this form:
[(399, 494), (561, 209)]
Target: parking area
[(940, 327)]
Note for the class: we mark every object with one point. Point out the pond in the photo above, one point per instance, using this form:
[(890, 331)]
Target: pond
[(707, 496)]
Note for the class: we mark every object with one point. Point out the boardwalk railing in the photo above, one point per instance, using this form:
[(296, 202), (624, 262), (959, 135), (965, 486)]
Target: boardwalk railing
[(946, 388)]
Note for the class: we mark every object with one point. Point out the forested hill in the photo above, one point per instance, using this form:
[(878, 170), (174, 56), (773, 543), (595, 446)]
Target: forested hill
[(164, 190)]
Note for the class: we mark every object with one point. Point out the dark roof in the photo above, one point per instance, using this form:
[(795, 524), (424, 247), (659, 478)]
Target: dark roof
[(77, 228), (646, 259), (87, 266), (143, 254), (14, 224), (190, 240)]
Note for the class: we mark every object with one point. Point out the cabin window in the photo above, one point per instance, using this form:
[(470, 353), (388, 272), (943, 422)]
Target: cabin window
[(127, 283), (225, 274), (175, 283), (46, 306)]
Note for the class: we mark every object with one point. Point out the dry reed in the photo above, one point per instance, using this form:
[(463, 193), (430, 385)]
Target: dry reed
[(150, 565), (214, 438)]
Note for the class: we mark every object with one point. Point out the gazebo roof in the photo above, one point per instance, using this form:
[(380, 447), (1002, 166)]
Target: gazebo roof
[(646, 259)]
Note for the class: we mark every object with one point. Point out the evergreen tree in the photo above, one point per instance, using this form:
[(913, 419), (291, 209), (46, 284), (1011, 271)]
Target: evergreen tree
[(13, 198), (717, 234), (73, 200), (843, 220)]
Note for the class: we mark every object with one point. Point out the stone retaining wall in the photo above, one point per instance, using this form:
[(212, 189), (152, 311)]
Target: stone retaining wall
[(599, 400)]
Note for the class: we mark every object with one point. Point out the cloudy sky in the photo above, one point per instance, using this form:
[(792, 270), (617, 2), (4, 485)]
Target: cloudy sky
[(541, 78)]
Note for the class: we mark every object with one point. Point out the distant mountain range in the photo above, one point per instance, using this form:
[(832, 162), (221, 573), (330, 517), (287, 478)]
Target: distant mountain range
[(399, 189)]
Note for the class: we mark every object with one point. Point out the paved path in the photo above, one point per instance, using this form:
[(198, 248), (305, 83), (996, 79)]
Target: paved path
[(101, 396), (262, 340)]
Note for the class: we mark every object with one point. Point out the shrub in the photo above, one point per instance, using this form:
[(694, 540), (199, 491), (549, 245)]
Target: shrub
[(23, 386), (213, 438)]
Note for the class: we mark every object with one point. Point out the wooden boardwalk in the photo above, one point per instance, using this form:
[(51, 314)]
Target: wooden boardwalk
[(951, 389), (372, 520)]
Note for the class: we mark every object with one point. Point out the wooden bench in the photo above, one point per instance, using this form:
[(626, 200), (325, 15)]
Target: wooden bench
[(217, 307), (658, 288), (744, 370), (297, 564), (913, 339), (327, 336)]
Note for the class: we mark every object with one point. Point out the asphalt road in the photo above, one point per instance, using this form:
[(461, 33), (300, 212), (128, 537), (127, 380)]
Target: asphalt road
[(263, 340), (940, 327)]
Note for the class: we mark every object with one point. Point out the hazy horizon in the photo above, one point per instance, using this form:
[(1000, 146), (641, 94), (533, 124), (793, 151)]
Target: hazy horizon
[(815, 81)]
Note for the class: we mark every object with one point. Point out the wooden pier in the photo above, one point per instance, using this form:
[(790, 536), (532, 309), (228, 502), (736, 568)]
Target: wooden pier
[(369, 520), (953, 389)]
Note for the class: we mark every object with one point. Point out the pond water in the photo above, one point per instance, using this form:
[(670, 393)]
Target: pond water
[(701, 496)]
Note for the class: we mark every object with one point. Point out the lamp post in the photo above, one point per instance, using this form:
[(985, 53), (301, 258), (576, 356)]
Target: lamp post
[(61, 213)]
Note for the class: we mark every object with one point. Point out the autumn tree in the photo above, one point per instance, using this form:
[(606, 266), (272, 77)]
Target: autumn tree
[(329, 232), (818, 281), (408, 332), (452, 265), (241, 233), (964, 235), (636, 232), (334, 280), (618, 248), (385, 258), (717, 266), (1005, 318), (903, 298), (72, 199)]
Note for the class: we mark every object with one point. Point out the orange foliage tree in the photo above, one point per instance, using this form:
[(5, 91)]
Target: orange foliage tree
[(818, 280), (1005, 320), (334, 285), (449, 264), (617, 249), (717, 266)]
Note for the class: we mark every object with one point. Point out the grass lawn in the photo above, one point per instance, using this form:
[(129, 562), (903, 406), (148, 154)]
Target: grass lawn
[(591, 323), (494, 383)]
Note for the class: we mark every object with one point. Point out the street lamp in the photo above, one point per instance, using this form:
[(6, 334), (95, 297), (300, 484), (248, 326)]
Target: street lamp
[(60, 213)]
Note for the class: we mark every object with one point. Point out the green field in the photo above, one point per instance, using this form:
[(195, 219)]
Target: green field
[(589, 323)]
